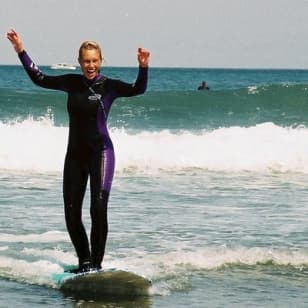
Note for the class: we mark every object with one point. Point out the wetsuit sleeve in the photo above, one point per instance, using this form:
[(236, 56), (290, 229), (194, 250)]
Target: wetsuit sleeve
[(124, 89), (39, 78)]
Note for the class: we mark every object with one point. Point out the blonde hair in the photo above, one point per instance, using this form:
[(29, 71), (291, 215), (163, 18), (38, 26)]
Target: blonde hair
[(90, 45)]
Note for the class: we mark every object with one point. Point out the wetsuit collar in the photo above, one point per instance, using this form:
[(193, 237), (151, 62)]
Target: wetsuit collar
[(91, 81)]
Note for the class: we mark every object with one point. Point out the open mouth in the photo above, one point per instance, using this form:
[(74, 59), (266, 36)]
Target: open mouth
[(91, 72)]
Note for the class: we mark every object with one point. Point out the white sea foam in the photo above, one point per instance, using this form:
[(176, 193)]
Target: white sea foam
[(38, 272), (32, 145), (214, 258), (40, 146), (47, 237), (253, 90), (52, 254), (168, 271)]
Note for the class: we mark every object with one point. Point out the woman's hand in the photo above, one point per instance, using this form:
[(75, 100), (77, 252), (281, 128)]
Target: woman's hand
[(16, 41), (143, 57)]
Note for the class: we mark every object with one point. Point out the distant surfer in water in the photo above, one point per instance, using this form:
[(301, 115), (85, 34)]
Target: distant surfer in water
[(203, 86), (90, 150)]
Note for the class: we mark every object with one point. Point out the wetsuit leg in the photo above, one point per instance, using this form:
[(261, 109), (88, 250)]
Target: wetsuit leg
[(74, 187), (101, 175)]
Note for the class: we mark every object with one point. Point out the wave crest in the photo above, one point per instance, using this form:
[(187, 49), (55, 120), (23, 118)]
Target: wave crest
[(38, 145)]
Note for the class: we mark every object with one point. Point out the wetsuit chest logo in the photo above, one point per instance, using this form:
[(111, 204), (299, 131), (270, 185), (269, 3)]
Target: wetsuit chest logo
[(94, 97)]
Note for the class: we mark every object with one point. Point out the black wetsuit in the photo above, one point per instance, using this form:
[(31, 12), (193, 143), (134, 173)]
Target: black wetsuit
[(90, 150)]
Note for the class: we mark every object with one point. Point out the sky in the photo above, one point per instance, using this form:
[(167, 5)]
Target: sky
[(179, 33)]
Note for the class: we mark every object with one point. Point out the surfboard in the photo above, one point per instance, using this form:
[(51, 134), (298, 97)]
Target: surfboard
[(109, 282)]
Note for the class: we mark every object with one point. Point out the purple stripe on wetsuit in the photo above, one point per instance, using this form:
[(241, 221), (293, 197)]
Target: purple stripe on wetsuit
[(108, 157)]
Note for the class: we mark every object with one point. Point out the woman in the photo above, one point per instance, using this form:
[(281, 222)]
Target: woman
[(90, 151)]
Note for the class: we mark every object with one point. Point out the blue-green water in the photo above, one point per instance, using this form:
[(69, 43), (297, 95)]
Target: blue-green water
[(209, 199)]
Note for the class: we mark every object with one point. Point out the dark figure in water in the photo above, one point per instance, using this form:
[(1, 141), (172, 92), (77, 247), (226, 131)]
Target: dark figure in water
[(203, 86), (90, 152)]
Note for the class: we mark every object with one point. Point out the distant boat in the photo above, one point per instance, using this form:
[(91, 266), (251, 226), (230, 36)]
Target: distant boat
[(62, 66)]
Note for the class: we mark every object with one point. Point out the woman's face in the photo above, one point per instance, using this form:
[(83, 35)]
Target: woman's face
[(90, 63)]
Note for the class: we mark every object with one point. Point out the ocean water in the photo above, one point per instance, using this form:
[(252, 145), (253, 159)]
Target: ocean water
[(209, 200)]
